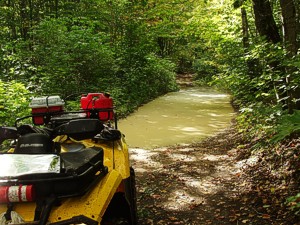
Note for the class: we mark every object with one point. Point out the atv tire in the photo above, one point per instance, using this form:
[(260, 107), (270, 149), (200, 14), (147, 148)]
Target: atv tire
[(122, 209), (116, 221)]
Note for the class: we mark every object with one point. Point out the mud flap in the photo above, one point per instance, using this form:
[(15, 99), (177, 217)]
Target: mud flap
[(123, 205), (131, 196)]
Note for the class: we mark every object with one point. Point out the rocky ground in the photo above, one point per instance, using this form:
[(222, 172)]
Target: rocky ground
[(217, 181)]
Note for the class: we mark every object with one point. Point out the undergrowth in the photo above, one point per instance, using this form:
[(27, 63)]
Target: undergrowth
[(273, 134)]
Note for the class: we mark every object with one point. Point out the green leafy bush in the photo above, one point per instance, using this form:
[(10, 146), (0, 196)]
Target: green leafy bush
[(14, 100), (258, 120), (72, 58), (294, 203), (153, 77), (287, 125), (205, 69)]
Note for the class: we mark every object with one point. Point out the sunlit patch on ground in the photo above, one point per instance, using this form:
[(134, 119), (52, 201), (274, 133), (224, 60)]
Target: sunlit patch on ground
[(214, 157), (204, 186), (183, 157), (181, 179), (143, 157), (183, 149), (181, 200), (250, 161)]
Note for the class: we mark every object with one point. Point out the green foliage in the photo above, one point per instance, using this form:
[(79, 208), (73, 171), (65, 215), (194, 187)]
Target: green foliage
[(14, 100), (257, 121), (73, 59), (160, 75), (287, 125), (154, 77), (217, 41), (294, 203), (167, 28), (205, 69), (13, 66), (91, 46)]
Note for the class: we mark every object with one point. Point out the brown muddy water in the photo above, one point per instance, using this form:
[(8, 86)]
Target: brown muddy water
[(178, 118)]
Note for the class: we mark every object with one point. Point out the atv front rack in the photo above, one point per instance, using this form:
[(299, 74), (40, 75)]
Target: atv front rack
[(80, 170)]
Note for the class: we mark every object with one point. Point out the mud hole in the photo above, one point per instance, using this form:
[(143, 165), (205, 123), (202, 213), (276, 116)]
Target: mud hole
[(214, 181)]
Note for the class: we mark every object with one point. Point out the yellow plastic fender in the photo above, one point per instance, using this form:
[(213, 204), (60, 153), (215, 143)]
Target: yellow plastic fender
[(95, 202), (92, 204)]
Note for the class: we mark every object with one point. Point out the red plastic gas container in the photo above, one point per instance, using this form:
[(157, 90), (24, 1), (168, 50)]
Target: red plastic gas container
[(100, 101)]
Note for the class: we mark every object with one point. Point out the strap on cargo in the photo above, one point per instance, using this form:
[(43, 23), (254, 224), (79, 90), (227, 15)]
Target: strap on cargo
[(38, 210), (7, 215), (49, 202)]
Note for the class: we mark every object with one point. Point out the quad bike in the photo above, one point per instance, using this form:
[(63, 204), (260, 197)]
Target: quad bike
[(67, 167)]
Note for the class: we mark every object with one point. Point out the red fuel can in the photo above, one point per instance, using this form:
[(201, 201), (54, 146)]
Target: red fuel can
[(102, 102)]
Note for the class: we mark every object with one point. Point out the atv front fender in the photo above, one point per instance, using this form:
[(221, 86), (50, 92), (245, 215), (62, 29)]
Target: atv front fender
[(93, 204)]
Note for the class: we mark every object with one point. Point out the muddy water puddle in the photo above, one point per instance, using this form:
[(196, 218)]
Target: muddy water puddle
[(178, 118)]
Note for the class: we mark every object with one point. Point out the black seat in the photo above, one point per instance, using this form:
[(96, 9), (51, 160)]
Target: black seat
[(34, 143)]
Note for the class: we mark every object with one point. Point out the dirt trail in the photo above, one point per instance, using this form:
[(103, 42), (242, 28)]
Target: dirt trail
[(206, 183), (188, 184)]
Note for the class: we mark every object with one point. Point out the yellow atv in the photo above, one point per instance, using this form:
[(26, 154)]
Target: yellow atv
[(67, 167)]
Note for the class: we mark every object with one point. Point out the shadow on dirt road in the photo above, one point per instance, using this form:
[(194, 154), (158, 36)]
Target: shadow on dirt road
[(202, 183), (187, 184)]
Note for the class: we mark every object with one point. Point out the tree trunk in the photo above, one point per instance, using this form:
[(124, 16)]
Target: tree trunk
[(56, 9), (289, 25), (252, 64), (290, 40), (24, 23), (297, 7), (245, 28), (264, 21), (267, 28)]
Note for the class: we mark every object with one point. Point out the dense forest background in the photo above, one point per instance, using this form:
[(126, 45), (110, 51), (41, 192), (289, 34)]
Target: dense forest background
[(135, 49)]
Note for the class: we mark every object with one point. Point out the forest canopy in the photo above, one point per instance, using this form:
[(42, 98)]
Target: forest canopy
[(134, 49)]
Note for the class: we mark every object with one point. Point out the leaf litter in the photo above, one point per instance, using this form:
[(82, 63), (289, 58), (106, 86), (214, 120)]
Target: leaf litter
[(216, 181)]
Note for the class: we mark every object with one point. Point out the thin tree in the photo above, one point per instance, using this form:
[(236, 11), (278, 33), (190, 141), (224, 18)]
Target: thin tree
[(289, 18)]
